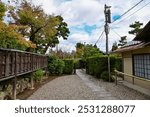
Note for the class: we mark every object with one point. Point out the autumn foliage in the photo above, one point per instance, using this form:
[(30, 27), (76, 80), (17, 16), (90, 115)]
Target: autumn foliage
[(9, 37), (29, 27)]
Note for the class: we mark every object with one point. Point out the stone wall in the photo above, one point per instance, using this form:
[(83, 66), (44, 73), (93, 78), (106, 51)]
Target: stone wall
[(6, 90)]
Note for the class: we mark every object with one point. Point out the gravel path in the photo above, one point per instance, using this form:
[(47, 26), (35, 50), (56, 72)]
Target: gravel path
[(84, 87), (64, 88)]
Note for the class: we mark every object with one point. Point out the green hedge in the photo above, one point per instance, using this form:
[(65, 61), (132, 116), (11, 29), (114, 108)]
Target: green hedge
[(105, 76), (97, 65), (69, 66), (79, 64), (55, 65), (118, 64)]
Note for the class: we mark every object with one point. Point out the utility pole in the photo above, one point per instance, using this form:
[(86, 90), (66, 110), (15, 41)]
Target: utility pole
[(107, 13)]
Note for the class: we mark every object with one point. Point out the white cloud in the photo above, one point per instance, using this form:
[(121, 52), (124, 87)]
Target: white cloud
[(91, 12), (77, 12), (47, 5)]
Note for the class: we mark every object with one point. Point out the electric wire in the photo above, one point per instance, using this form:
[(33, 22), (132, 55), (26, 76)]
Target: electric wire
[(128, 11), (115, 32), (133, 13), (128, 17), (124, 18), (99, 37)]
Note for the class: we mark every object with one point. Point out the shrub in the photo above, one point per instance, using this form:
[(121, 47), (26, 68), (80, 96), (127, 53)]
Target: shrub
[(69, 66), (105, 76), (117, 61), (37, 75), (79, 64), (55, 65), (118, 64), (76, 64), (97, 65)]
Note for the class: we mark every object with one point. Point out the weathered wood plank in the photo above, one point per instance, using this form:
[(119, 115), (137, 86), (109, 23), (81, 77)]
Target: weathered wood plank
[(25, 63)]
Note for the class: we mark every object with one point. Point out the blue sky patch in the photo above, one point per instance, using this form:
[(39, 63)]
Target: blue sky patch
[(89, 29), (86, 28), (116, 17), (75, 29)]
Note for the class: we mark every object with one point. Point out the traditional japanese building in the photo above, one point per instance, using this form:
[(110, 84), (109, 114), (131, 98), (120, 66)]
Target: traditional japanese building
[(136, 58)]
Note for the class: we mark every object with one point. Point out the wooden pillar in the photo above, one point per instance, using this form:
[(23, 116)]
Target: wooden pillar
[(7, 65), (1, 64), (31, 75), (15, 79), (32, 81), (14, 88)]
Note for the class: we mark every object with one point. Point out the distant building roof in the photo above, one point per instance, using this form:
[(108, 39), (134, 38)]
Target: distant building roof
[(131, 43), (140, 41), (131, 46)]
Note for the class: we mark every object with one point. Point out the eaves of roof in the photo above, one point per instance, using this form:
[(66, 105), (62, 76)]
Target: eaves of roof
[(144, 35), (132, 47)]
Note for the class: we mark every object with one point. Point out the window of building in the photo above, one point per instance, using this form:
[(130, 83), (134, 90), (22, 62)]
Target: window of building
[(141, 65)]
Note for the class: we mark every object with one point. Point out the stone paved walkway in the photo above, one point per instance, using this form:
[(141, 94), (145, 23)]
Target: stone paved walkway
[(99, 90)]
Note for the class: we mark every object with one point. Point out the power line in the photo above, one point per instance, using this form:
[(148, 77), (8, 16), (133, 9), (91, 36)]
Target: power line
[(99, 37), (115, 32), (133, 13), (128, 10), (128, 17)]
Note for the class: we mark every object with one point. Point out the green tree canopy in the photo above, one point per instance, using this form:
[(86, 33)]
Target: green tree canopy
[(114, 46), (79, 50), (9, 38), (136, 28), (42, 29), (122, 41), (2, 10), (90, 50), (85, 51)]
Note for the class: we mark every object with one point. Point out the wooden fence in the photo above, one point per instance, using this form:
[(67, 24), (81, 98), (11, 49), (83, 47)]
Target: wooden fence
[(14, 63)]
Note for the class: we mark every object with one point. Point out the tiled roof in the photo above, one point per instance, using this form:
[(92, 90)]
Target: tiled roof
[(140, 41), (131, 43), (132, 47)]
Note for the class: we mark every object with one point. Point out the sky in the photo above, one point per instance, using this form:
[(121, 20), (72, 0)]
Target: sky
[(85, 19)]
